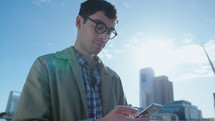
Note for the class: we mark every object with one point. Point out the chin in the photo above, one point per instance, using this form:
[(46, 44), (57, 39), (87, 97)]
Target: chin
[(97, 52)]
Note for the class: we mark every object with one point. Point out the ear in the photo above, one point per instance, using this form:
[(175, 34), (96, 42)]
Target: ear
[(79, 22)]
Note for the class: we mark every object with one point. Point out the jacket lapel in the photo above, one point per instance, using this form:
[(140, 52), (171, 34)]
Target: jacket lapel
[(105, 88), (70, 54), (79, 79)]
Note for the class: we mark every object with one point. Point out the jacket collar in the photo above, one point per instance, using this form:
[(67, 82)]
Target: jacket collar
[(66, 53), (106, 77), (69, 53)]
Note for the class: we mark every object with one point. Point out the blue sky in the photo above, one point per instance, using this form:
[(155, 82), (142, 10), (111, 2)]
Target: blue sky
[(162, 34)]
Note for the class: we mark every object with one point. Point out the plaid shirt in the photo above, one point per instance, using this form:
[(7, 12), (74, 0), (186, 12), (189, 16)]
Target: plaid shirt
[(92, 88)]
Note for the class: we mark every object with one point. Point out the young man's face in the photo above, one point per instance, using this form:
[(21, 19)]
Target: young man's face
[(89, 39)]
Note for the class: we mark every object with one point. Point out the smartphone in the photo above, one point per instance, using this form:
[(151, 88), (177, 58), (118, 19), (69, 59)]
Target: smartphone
[(154, 107)]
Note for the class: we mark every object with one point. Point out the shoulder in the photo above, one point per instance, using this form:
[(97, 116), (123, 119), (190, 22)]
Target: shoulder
[(106, 70), (59, 58), (64, 54), (111, 71)]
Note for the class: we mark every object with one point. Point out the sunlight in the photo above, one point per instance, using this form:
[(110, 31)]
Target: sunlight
[(158, 55)]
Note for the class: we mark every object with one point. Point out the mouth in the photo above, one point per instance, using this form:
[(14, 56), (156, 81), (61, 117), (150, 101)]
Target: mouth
[(98, 44)]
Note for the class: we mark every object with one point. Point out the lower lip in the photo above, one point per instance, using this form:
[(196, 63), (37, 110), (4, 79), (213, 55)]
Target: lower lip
[(98, 45)]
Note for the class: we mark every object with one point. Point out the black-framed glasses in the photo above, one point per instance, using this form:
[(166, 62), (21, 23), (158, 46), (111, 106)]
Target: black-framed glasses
[(101, 28)]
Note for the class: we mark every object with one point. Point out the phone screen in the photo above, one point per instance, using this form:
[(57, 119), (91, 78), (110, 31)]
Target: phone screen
[(150, 110)]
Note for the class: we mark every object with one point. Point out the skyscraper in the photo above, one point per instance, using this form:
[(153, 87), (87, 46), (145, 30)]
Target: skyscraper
[(12, 103), (146, 87), (163, 89), (154, 89)]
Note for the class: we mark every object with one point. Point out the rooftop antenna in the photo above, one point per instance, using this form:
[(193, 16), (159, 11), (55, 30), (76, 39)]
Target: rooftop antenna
[(211, 64)]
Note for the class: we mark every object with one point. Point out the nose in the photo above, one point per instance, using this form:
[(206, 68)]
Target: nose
[(104, 36)]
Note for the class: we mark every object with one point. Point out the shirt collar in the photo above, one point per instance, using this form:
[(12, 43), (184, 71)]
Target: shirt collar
[(84, 61)]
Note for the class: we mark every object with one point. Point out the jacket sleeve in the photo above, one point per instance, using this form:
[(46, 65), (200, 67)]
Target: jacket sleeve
[(34, 102)]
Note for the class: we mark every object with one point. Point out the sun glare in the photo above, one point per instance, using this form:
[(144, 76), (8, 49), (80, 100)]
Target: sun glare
[(158, 55)]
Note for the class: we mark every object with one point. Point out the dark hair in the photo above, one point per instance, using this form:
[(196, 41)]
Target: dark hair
[(90, 7)]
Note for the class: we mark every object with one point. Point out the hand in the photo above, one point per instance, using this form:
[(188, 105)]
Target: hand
[(119, 114)]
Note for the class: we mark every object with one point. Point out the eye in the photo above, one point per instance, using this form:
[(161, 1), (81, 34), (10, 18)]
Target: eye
[(100, 28)]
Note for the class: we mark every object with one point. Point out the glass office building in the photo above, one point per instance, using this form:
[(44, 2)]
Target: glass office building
[(154, 89), (146, 87), (184, 110), (163, 89), (12, 103)]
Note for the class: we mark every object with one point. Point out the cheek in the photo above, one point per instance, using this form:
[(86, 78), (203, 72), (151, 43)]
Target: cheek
[(89, 33)]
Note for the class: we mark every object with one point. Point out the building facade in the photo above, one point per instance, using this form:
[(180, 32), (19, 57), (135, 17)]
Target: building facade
[(154, 89), (163, 89), (12, 103), (146, 87), (184, 110), (160, 90)]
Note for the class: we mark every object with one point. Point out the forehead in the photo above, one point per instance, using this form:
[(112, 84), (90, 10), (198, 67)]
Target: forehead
[(102, 17)]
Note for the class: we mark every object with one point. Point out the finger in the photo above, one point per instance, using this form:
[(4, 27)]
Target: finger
[(126, 110)]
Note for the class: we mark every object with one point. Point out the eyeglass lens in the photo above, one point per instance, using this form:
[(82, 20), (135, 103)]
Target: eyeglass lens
[(101, 28)]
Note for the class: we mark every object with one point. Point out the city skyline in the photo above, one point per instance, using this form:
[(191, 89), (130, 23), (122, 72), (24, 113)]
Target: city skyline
[(165, 35), (158, 89), (154, 89)]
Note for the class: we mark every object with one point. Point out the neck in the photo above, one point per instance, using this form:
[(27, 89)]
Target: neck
[(90, 57)]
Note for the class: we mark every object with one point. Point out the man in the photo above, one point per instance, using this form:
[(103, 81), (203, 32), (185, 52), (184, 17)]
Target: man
[(74, 84)]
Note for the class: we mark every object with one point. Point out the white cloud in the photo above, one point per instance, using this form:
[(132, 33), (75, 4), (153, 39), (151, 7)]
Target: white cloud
[(106, 54), (190, 54), (126, 5), (44, 0), (162, 55), (129, 47), (161, 48), (210, 48), (49, 44), (113, 2), (109, 56), (40, 2), (201, 71), (134, 43), (189, 38), (189, 76), (195, 55)]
